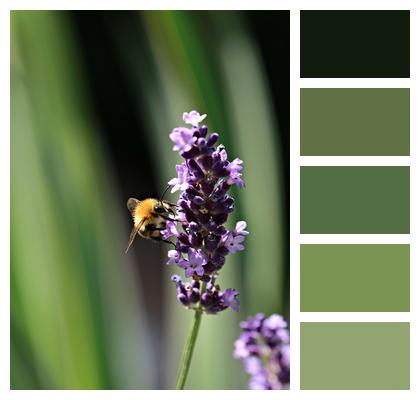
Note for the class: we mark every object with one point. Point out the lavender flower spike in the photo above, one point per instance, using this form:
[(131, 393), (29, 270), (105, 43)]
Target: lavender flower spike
[(264, 348), (202, 240)]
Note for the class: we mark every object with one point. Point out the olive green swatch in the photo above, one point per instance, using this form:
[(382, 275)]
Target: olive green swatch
[(355, 355), (355, 277), (355, 122), (355, 200)]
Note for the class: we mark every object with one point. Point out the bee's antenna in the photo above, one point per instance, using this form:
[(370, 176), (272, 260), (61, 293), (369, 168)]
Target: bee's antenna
[(161, 197)]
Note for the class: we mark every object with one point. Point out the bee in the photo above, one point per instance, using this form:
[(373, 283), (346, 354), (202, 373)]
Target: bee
[(150, 216)]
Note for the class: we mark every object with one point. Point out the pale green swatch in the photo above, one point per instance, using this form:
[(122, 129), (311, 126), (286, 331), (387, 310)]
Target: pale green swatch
[(355, 355)]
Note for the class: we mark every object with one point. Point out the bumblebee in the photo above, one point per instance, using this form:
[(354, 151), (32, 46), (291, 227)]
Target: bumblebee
[(149, 216)]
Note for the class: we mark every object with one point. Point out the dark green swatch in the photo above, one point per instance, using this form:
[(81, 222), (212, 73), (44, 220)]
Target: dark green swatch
[(355, 355), (355, 277), (355, 44), (355, 122), (354, 200)]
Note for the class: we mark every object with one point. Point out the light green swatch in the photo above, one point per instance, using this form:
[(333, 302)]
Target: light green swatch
[(354, 277), (355, 122), (355, 355), (355, 200)]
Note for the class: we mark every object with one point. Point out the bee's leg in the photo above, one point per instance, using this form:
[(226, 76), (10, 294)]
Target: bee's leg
[(165, 217), (158, 238), (169, 242), (169, 218)]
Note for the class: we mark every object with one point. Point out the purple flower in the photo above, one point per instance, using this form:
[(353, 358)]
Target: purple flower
[(213, 300), (179, 183), (193, 118), (235, 179), (275, 322), (241, 349), (240, 229), (170, 230), (183, 139), (233, 243), (233, 240), (177, 279), (173, 257), (188, 293), (194, 264), (229, 298), (253, 323), (258, 381), (204, 205), (222, 152), (235, 165), (253, 365), (264, 348)]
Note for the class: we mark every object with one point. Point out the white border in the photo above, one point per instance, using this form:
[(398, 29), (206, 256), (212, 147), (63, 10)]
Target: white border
[(354, 239), (354, 161), (296, 161), (355, 316), (294, 199), (295, 5), (326, 83), (414, 199), (5, 203)]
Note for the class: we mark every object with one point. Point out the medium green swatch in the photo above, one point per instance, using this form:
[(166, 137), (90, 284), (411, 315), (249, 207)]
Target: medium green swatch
[(355, 122), (355, 355), (355, 277), (362, 200)]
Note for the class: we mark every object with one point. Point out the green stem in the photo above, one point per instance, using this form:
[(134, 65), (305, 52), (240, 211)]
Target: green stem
[(188, 351)]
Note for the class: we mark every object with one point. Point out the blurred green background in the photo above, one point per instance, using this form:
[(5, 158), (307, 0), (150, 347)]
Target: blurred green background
[(94, 96)]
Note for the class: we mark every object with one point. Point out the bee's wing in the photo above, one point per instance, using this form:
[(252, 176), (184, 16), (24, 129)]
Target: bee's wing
[(134, 232), (132, 204)]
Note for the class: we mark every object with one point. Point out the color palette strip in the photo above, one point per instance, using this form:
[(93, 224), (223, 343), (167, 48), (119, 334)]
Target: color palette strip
[(355, 278), (355, 44), (355, 355), (355, 122), (352, 122)]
